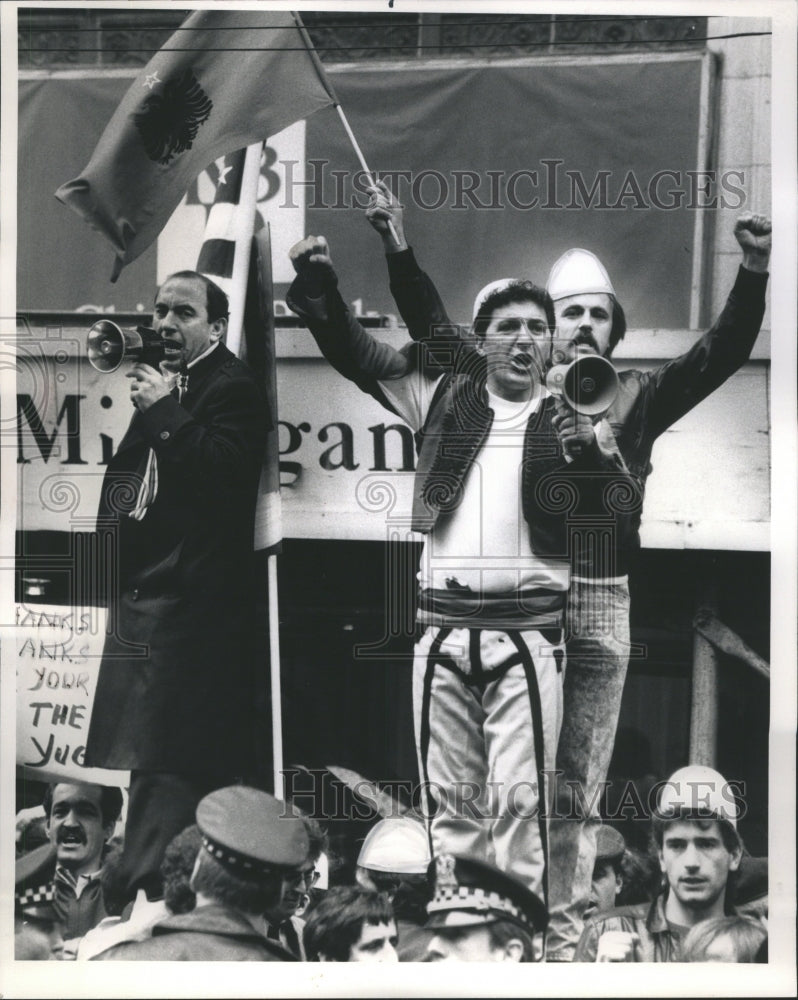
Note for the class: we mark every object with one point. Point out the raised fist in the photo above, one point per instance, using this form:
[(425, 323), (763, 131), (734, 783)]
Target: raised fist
[(312, 261), (753, 233)]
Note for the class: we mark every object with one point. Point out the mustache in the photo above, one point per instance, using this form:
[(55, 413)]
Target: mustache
[(71, 833), (587, 338)]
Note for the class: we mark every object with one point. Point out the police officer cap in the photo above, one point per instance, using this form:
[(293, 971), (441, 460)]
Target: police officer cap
[(396, 844), (33, 886), (469, 892), (610, 845), (250, 832)]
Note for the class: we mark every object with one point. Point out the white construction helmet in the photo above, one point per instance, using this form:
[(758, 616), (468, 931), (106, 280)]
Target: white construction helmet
[(578, 272), (397, 844), (698, 789)]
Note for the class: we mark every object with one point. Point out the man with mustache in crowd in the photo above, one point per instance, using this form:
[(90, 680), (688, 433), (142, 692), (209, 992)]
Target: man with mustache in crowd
[(589, 319), (283, 921), (80, 821)]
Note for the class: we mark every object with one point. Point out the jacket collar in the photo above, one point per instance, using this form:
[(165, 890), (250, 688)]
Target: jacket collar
[(207, 364)]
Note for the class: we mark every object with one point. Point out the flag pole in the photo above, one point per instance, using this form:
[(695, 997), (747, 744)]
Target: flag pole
[(248, 201), (276, 683), (359, 154), (268, 529), (337, 105)]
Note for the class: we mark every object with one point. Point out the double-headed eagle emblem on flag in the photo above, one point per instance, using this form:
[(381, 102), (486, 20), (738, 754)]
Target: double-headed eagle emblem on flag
[(170, 120)]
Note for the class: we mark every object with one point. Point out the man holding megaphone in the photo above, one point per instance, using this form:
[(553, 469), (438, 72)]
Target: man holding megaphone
[(176, 684), (590, 323), (628, 414)]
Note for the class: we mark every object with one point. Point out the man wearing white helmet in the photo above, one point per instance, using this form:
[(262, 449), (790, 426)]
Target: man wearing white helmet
[(694, 829), (394, 860), (589, 319), (488, 491)]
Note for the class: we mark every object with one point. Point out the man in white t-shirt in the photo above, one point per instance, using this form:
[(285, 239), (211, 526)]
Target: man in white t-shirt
[(493, 494)]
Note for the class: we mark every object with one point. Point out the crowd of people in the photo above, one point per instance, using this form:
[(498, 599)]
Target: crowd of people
[(251, 880), (530, 504)]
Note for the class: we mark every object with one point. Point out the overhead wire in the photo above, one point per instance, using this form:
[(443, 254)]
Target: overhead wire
[(605, 43)]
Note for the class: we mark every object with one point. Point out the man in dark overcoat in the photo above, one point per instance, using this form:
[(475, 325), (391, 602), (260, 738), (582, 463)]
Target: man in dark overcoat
[(175, 690), (251, 843)]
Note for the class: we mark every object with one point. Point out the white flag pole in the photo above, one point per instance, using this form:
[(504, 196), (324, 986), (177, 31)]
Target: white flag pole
[(359, 154), (314, 56), (246, 213), (276, 684), (268, 529)]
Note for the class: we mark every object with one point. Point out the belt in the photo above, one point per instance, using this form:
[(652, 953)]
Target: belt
[(529, 608)]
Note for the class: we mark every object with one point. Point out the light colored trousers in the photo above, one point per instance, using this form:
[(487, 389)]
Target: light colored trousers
[(487, 708)]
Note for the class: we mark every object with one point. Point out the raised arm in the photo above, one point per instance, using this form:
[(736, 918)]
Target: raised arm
[(416, 297), (678, 386), (314, 296)]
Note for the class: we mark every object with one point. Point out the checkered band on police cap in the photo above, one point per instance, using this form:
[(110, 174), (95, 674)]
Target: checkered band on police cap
[(34, 896), (469, 891)]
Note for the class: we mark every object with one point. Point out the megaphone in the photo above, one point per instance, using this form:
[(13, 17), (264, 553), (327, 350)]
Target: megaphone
[(108, 345), (588, 385)]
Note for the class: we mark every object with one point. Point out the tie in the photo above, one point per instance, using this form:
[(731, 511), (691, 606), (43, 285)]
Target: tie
[(287, 936)]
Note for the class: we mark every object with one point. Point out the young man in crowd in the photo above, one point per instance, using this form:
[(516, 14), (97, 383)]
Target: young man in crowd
[(481, 914), (694, 829), (352, 924), (394, 859)]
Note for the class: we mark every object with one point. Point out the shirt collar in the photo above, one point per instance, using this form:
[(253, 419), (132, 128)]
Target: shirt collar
[(76, 882), (204, 354)]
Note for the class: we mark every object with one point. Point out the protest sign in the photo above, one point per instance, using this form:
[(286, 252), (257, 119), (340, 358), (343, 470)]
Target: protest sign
[(58, 651)]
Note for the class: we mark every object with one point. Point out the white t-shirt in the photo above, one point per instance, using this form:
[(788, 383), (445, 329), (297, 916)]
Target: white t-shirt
[(484, 543)]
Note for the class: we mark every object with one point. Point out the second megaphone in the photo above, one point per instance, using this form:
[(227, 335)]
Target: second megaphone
[(108, 345), (588, 385)]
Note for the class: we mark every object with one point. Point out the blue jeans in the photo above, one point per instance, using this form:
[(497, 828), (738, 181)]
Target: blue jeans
[(597, 655)]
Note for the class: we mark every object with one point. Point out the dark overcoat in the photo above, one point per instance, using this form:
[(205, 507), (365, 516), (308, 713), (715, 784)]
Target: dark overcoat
[(212, 933), (176, 685)]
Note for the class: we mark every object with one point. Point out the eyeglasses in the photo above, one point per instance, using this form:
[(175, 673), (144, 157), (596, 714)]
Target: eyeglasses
[(308, 875)]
